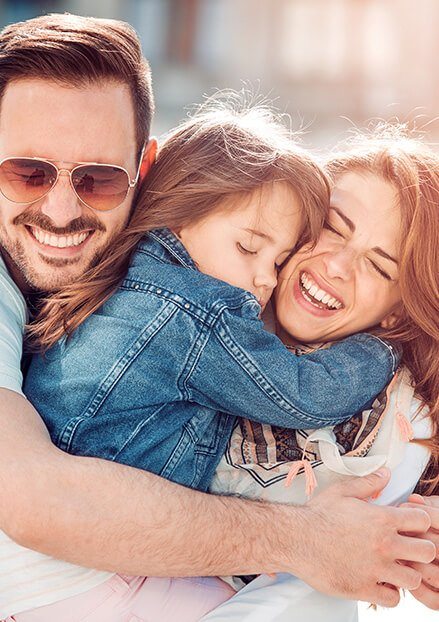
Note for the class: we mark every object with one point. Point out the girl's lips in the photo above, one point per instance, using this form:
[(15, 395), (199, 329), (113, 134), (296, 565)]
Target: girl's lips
[(307, 305)]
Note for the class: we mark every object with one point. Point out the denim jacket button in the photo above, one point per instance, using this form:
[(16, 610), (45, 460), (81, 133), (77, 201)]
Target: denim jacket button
[(187, 306), (159, 291)]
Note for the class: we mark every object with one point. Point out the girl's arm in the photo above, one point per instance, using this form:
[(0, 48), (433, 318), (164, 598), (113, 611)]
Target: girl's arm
[(245, 371)]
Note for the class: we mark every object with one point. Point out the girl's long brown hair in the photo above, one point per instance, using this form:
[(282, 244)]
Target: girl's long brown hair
[(226, 150), (413, 169)]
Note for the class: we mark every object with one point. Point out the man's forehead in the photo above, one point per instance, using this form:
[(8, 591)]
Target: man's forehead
[(91, 122)]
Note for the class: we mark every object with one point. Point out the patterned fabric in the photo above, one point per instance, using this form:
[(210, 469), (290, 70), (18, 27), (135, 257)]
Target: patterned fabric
[(261, 449)]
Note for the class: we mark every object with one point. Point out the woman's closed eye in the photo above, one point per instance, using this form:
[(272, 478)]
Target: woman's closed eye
[(380, 271), (245, 251)]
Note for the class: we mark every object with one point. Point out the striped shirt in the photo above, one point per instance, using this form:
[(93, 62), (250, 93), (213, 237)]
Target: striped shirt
[(28, 579)]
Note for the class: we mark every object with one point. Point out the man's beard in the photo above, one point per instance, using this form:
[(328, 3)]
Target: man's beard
[(21, 265), (40, 282)]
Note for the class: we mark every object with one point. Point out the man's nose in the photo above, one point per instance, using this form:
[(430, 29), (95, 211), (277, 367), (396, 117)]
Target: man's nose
[(339, 264), (62, 205)]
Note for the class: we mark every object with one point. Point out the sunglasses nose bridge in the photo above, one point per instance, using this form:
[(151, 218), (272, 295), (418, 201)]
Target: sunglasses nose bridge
[(64, 172)]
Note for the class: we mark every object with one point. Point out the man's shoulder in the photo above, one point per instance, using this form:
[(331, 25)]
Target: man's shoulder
[(11, 298)]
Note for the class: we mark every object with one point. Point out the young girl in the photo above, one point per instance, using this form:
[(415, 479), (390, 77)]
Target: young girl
[(151, 368)]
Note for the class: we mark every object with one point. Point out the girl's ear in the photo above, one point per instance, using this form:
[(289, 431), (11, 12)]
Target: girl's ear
[(148, 158)]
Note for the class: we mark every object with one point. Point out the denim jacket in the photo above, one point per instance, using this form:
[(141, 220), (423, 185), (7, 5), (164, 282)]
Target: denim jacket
[(146, 379)]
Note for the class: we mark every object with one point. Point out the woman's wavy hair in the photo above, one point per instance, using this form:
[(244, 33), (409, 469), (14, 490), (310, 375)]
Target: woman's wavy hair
[(397, 156), (226, 151)]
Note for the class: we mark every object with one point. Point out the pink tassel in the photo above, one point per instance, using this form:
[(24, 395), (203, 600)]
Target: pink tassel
[(405, 427), (310, 478), (295, 468)]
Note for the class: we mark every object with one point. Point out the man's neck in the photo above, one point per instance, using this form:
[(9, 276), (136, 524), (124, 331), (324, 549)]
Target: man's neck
[(17, 275)]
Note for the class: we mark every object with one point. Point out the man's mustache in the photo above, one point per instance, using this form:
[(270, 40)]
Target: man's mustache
[(42, 221)]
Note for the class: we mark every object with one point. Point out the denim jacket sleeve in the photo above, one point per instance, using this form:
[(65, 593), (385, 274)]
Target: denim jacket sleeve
[(244, 370)]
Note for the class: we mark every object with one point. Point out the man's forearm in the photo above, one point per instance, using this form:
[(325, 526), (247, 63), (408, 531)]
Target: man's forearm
[(105, 515)]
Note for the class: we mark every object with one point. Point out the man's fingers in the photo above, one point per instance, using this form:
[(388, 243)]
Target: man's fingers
[(427, 596), (433, 513), (365, 487), (429, 573), (414, 550), (415, 498), (386, 596), (412, 519), (405, 577)]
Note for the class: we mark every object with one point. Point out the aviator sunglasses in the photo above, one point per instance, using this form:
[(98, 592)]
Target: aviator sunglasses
[(101, 187)]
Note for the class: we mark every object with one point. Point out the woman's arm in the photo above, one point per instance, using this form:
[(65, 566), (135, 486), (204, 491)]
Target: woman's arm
[(106, 515)]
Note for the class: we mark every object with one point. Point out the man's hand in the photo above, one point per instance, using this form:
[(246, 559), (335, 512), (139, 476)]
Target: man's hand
[(428, 591), (357, 546)]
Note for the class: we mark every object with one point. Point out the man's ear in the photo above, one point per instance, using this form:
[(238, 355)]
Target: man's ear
[(148, 158)]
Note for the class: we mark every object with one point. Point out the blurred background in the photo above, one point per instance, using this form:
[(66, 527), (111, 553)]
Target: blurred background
[(328, 63)]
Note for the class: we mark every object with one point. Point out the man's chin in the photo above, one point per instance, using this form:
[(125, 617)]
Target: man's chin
[(52, 274)]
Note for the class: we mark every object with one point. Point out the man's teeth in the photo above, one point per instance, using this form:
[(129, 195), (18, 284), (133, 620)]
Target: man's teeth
[(319, 295), (59, 241)]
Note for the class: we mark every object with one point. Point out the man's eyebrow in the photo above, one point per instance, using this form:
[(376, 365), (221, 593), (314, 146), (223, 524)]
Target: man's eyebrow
[(345, 219), (383, 253), (260, 234)]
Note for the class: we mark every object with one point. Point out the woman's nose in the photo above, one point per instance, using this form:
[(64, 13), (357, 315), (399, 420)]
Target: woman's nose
[(339, 264)]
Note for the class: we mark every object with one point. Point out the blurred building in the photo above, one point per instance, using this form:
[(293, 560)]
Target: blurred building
[(328, 63)]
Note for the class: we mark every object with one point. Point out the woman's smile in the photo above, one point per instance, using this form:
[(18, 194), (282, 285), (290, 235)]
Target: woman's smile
[(349, 281)]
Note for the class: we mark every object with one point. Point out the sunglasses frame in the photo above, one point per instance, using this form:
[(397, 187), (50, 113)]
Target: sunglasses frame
[(132, 182)]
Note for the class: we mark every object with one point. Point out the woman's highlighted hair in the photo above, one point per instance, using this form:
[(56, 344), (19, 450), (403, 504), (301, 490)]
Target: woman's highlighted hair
[(394, 153)]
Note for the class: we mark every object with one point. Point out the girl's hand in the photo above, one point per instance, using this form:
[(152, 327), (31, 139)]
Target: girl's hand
[(428, 592)]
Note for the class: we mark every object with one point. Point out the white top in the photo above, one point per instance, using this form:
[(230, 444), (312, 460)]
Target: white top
[(28, 579), (278, 599)]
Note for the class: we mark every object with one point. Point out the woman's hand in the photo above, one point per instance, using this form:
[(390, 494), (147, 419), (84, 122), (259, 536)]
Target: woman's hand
[(428, 592)]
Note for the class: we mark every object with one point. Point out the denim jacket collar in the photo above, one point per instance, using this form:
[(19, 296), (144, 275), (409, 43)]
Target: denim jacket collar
[(168, 243)]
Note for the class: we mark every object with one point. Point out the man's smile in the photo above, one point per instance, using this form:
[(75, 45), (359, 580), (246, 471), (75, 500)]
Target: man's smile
[(70, 244)]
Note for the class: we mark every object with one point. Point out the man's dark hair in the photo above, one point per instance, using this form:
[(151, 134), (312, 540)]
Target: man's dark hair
[(75, 50)]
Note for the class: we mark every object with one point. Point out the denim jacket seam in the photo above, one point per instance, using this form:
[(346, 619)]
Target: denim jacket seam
[(114, 376), (137, 429), (246, 364), (206, 315), (182, 260), (192, 360), (389, 351)]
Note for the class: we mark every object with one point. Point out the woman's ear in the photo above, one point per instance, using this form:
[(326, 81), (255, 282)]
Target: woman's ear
[(148, 159), (389, 321)]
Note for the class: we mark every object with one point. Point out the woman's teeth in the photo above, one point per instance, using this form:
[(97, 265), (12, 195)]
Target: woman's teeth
[(316, 296)]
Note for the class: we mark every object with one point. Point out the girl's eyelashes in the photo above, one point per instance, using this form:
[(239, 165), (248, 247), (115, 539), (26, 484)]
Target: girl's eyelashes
[(380, 271), (245, 251)]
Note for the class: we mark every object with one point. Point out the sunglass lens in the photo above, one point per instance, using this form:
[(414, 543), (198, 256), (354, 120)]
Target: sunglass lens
[(101, 187), (24, 180)]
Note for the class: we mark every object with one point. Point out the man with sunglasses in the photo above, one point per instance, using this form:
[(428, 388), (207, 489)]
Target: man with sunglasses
[(76, 106)]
